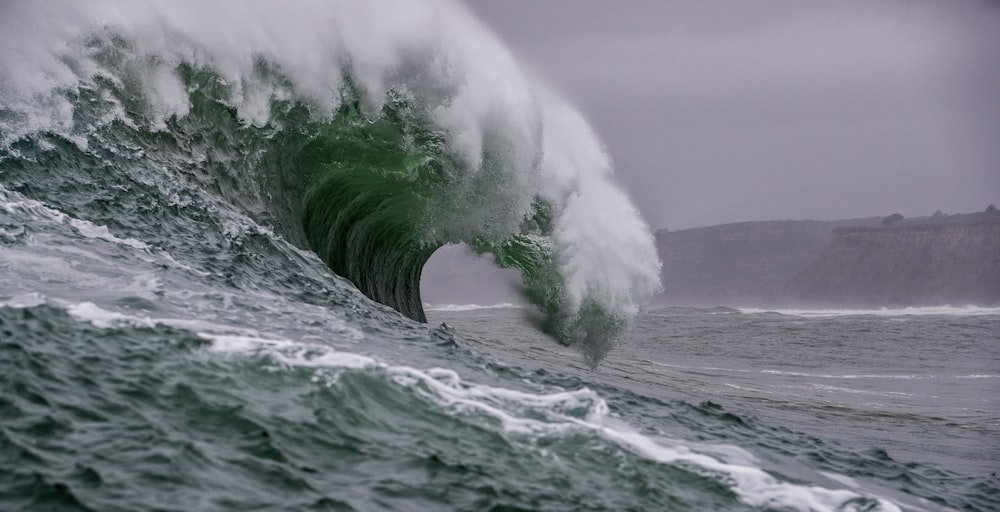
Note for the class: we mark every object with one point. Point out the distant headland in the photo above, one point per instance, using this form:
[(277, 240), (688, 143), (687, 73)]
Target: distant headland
[(878, 261)]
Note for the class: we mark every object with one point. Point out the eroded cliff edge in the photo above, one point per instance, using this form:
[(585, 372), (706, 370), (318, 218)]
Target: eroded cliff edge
[(914, 264), (940, 259)]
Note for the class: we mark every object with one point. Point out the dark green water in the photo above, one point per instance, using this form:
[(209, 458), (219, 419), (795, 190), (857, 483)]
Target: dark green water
[(177, 200)]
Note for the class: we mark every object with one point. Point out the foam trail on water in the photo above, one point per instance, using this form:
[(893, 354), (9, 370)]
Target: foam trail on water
[(525, 417), (945, 310)]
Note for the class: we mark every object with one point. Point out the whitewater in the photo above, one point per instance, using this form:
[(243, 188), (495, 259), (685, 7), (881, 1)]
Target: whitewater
[(213, 221)]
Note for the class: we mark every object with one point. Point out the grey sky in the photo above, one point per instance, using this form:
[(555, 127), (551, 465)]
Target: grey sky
[(718, 111)]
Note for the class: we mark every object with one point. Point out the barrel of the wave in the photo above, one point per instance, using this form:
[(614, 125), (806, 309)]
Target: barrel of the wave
[(372, 208), (365, 202), (368, 239)]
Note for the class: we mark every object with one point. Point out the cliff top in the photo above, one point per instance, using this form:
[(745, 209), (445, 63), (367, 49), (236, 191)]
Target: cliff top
[(930, 222)]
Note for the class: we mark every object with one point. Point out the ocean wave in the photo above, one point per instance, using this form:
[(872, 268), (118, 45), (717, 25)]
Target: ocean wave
[(371, 139)]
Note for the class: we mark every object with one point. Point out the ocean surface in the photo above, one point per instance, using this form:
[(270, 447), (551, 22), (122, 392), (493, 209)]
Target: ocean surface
[(893, 399), (213, 223)]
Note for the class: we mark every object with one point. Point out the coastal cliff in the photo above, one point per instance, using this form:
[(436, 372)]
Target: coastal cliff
[(741, 263), (891, 261), (921, 264)]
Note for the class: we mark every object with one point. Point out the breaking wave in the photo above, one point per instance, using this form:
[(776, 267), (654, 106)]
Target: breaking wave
[(885, 312), (370, 134)]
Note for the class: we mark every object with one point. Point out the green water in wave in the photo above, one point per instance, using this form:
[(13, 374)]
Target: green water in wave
[(381, 195), (374, 191)]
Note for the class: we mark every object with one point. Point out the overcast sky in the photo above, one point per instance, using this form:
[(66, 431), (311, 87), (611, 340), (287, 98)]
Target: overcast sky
[(720, 111)]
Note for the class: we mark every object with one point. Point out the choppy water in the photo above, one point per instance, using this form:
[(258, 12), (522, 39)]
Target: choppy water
[(123, 407), (217, 367), (920, 385)]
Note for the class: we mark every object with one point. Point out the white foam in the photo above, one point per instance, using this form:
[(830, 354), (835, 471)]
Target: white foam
[(754, 485), (945, 310), (15, 203), (852, 391), (288, 352), (224, 333), (521, 413), (26, 300), (848, 376), (90, 230), (470, 307), (99, 317)]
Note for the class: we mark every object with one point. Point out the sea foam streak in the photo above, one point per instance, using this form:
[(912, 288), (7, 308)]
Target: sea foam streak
[(472, 150), (470, 307), (945, 310), (525, 417)]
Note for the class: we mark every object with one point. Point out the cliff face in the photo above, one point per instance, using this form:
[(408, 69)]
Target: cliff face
[(859, 262), (742, 263), (905, 265)]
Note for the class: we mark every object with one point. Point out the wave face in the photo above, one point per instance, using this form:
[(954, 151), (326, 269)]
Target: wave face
[(370, 132)]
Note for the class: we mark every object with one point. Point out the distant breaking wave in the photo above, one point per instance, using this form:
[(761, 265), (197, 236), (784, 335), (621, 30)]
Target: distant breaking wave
[(372, 133), (470, 307), (908, 311)]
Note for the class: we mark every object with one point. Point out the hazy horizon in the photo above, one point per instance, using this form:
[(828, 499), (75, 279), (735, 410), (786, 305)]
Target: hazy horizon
[(715, 113)]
